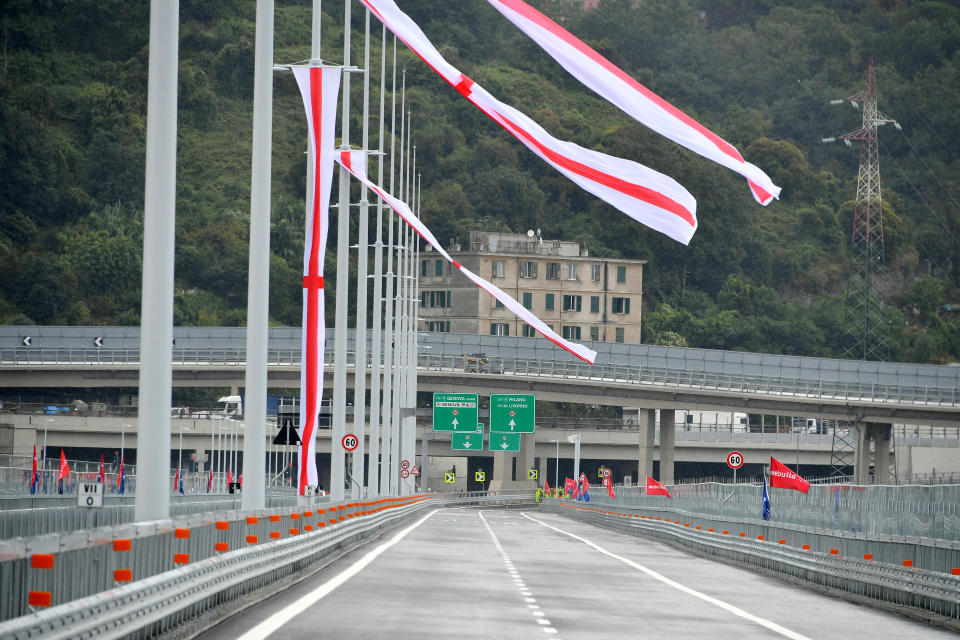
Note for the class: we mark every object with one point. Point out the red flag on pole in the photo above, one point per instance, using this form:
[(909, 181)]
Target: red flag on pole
[(102, 474), (781, 477), (546, 487), (609, 486), (570, 486), (64, 467), (33, 476), (655, 488)]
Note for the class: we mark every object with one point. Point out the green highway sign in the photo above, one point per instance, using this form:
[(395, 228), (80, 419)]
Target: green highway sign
[(512, 413), (467, 441), (455, 412), (504, 441)]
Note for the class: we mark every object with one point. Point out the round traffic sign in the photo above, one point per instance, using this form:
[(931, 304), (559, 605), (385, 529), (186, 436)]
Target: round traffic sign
[(404, 464), (734, 459), (404, 473), (606, 473), (350, 442)]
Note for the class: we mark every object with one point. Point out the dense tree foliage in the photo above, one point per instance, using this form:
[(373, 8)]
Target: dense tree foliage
[(73, 79)]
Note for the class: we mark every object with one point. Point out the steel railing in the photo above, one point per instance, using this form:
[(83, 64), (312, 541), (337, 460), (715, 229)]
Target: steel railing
[(528, 367)]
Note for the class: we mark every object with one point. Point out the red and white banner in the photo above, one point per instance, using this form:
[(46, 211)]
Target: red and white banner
[(319, 88), (781, 477), (634, 99), (64, 467), (645, 195), (355, 163), (570, 487), (655, 488)]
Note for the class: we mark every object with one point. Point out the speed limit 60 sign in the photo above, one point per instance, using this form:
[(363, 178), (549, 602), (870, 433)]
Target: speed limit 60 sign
[(350, 442), (734, 459)]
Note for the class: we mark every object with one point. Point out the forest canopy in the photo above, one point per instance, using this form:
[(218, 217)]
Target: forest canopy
[(762, 74)]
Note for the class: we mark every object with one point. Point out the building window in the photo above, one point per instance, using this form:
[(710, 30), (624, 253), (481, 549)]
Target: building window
[(621, 305), (499, 329), (498, 304), (528, 269), (441, 326), (438, 299), (571, 333), (595, 273), (548, 302), (594, 304), (619, 334), (571, 272), (621, 274), (424, 267), (527, 331), (595, 333), (572, 303), (553, 271), (527, 300), (499, 268), (438, 267)]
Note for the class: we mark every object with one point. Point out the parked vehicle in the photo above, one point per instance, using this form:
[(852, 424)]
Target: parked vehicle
[(479, 363)]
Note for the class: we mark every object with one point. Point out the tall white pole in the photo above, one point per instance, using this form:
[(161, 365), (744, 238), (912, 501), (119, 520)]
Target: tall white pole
[(377, 339), (363, 233), (388, 342), (258, 287), (343, 271), (156, 308), (398, 324)]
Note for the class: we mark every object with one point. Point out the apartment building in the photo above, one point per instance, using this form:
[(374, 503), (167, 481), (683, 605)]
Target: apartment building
[(582, 298)]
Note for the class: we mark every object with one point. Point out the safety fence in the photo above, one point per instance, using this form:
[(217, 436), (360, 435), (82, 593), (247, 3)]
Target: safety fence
[(124, 563), (906, 510), (888, 571)]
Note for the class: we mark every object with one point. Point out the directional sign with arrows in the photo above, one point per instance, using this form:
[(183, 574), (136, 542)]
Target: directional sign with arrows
[(288, 434), (512, 413), (463, 441), (504, 441), (98, 342), (455, 412)]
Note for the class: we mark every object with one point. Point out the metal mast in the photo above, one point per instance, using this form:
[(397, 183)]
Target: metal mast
[(863, 310)]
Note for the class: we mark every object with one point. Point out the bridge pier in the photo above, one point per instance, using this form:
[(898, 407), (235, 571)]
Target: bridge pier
[(879, 434), (667, 441), (647, 422)]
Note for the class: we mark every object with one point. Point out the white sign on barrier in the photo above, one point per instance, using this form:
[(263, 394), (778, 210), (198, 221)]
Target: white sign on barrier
[(90, 494)]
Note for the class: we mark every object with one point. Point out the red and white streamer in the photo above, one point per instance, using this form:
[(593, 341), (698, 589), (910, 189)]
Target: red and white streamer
[(634, 99), (319, 87), (355, 163), (645, 195)]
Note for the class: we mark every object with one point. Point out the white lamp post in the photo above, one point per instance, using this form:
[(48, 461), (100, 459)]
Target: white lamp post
[(556, 471), (575, 440)]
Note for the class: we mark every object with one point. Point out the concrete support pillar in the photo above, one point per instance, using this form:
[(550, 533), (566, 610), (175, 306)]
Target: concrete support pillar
[(525, 461), (881, 453), (646, 419), (667, 433), (502, 471), (861, 460)]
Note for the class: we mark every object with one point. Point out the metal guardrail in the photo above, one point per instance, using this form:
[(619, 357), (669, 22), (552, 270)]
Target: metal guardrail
[(535, 367), (168, 554), (929, 512), (224, 554), (840, 562)]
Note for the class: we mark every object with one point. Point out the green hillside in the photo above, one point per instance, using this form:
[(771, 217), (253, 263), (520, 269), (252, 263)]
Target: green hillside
[(73, 77)]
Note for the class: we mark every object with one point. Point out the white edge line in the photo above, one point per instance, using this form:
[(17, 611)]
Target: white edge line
[(763, 622), (277, 620)]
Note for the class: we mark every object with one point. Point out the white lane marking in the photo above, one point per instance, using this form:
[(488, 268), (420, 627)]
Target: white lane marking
[(534, 609), (280, 618), (737, 611)]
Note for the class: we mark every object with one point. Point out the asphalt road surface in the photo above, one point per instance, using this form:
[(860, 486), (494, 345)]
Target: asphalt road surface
[(498, 573)]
